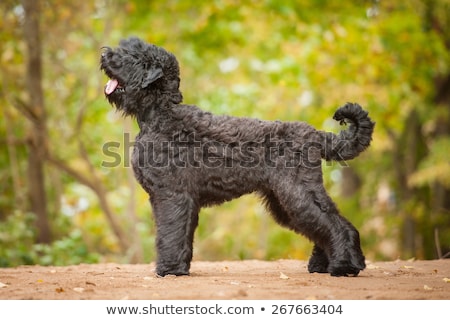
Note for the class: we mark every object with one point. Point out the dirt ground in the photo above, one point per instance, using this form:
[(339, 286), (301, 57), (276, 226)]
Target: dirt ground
[(225, 280)]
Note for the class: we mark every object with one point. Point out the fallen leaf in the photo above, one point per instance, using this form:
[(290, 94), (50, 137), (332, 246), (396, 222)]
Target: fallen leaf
[(90, 283), (2, 285), (79, 290), (40, 280), (427, 287), (446, 280), (59, 290), (283, 276)]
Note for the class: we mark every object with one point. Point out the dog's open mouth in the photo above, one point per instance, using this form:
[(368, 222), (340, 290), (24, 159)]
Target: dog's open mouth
[(113, 85)]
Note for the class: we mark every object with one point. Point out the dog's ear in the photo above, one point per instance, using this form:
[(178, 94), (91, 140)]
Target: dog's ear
[(152, 75)]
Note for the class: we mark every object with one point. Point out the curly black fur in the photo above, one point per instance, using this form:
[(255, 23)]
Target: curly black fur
[(186, 158)]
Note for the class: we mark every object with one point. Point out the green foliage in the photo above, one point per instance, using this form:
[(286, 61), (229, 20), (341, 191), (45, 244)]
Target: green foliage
[(435, 168), (17, 238), (69, 250)]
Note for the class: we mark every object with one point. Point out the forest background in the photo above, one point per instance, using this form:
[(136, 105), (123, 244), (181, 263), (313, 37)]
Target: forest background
[(60, 201)]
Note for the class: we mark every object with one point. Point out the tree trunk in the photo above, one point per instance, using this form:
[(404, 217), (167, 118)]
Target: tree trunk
[(437, 18), (37, 131), (409, 151)]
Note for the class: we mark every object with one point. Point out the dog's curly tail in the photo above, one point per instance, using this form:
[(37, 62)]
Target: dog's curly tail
[(351, 142)]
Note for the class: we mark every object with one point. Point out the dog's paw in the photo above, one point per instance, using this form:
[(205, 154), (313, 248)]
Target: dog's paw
[(163, 271), (346, 268), (318, 261), (162, 274), (315, 266)]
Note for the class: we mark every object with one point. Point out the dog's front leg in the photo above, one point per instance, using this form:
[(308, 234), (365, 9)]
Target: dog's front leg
[(176, 218)]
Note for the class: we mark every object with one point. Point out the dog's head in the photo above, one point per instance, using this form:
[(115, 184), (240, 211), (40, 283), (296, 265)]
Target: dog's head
[(141, 76)]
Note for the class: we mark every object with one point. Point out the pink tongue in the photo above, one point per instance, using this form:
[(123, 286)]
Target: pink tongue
[(111, 86)]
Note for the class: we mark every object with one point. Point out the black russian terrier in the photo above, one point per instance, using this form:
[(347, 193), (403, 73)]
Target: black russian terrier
[(186, 158)]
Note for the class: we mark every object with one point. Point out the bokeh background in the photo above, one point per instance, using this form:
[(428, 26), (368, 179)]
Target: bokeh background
[(272, 59)]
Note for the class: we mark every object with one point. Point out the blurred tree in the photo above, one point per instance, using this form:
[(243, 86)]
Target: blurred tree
[(426, 203), (436, 20), (35, 112), (43, 145)]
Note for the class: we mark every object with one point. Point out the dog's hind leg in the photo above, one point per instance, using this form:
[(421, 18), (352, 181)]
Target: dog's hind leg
[(344, 249), (176, 218), (319, 260), (312, 213)]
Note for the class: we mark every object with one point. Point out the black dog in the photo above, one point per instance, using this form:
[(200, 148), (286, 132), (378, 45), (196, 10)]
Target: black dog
[(186, 158)]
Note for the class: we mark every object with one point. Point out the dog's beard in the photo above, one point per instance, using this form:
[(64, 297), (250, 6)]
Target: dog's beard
[(116, 98)]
